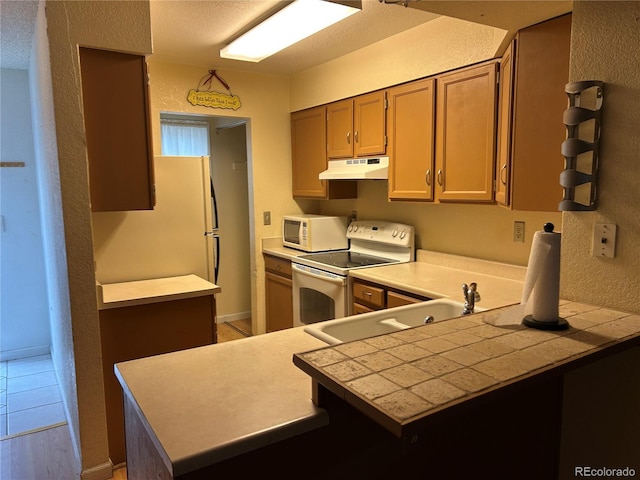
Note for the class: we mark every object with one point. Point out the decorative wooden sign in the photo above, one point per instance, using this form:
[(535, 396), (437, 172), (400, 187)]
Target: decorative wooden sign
[(207, 98)]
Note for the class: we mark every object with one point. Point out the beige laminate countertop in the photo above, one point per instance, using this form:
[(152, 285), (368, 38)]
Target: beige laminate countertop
[(400, 379), (208, 404), (436, 281), (141, 292)]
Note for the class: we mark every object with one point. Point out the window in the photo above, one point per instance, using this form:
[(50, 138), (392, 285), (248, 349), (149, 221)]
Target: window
[(184, 137)]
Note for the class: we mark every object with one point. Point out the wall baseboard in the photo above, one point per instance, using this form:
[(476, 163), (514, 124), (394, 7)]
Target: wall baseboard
[(24, 353), (232, 317), (103, 471)]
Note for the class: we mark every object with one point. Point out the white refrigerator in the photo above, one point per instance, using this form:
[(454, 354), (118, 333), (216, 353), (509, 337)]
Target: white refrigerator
[(178, 237)]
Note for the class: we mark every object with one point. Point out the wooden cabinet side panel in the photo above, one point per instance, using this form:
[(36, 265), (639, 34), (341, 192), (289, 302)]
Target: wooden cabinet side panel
[(539, 103), (340, 129), (308, 152), (505, 108), (369, 124), (411, 141), (116, 115), (141, 331), (279, 299), (465, 138)]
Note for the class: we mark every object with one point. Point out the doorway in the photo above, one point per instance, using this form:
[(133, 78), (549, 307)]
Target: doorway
[(227, 150)]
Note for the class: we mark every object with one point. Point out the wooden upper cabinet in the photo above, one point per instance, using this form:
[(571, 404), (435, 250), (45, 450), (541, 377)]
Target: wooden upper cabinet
[(465, 134), (356, 127), (340, 129), (410, 124), (505, 109), (308, 150), (309, 158), (531, 132), (369, 124), (118, 129)]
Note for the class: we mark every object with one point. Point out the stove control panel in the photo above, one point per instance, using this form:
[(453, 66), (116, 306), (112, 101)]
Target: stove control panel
[(381, 232)]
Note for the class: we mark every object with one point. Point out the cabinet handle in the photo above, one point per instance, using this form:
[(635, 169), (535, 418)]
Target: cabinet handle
[(427, 177), (503, 170), (355, 137), (349, 137), (440, 177), (368, 294)]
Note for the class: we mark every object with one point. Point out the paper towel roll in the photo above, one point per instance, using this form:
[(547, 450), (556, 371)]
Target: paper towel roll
[(541, 291)]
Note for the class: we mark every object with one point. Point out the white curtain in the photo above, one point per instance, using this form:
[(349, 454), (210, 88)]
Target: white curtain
[(185, 137)]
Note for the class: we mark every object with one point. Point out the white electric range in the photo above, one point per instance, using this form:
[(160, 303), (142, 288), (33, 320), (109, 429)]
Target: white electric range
[(320, 280)]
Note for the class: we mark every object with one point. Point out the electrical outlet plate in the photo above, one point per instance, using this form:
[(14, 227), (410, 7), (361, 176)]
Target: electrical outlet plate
[(604, 240), (518, 231)]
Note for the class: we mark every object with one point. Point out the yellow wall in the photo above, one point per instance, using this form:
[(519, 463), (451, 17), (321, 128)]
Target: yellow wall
[(265, 102), (397, 59), (601, 425)]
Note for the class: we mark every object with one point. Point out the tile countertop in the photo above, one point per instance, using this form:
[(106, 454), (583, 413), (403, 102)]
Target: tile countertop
[(207, 404), (141, 292), (402, 378)]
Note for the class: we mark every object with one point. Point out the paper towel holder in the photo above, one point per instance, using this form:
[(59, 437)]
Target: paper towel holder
[(560, 324), (557, 324)]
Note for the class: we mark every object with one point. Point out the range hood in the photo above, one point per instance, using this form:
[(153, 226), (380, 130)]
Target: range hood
[(374, 168)]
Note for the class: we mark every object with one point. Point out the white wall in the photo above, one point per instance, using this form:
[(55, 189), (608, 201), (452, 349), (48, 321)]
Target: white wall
[(24, 320)]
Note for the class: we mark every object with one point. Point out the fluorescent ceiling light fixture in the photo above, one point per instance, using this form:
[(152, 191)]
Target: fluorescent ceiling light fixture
[(296, 21)]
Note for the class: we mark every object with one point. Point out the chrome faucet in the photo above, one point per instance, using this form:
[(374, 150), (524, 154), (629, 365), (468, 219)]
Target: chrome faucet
[(471, 296)]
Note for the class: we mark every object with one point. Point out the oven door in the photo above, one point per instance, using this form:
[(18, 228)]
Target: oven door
[(317, 295)]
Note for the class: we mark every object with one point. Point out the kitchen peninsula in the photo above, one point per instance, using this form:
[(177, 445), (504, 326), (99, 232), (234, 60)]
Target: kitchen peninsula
[(382, 405)]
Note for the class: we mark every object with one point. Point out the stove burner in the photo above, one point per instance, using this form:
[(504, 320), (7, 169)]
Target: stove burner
[(346, 259)]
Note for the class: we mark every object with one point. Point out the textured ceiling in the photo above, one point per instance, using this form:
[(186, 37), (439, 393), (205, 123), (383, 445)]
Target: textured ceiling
[(192, 32), (17, 24)]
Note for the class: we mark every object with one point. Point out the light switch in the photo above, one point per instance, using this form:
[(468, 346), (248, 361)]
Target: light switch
[(266, 218), (604, 240)]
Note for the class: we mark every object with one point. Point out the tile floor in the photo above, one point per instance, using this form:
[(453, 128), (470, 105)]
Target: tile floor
[(29, 395)]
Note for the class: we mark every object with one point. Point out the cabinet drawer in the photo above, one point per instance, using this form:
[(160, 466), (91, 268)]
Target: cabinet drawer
[(358, 309), (277, 265), (369, 294), (395, 299)]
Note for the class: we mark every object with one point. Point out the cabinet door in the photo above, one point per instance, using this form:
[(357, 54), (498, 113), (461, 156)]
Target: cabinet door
[(369, 124), (340, 129), (466, 134), (411, 140), (505, 109), (308, 151), (279, 291), (542, 71), (118, 129), (138, 331), (395, 299)]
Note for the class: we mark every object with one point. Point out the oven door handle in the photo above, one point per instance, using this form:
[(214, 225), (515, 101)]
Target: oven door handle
[(319, 274)]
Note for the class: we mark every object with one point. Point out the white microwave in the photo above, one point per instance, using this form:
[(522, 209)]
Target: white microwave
[(314, 233)]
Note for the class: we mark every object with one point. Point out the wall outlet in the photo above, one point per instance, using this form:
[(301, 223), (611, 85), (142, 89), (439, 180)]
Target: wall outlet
[(518, 231), (604, 240), (266, 218)]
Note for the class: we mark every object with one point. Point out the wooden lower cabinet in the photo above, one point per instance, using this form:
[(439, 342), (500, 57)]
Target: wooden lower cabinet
[(132, 332), (278, 293), (369, 297)]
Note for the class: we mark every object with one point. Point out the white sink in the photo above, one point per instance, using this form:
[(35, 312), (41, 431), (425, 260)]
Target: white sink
[(370, 324)]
